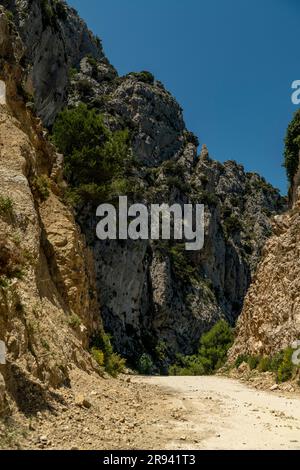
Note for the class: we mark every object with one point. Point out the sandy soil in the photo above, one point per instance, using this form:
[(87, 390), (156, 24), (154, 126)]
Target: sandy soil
[(221, 413)]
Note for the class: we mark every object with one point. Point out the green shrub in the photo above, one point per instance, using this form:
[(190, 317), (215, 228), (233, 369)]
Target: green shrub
[(212, 353), (161, 351), (215, 344), (96, 159), (84, 87), (101, 345), (60, 10), (145, 365), (264, 364), (48, 17), (188, 366), (41, 187), (144, 76), (181, 265), (292, 146), (276, 361), (207, 198), (281, 364), (241, 359), (232, 224), (72, 73), (74, 321), (6, 206), (253, 362), (115, 365), (12, 261), (98, 355), (9, 14), (191, 138), (177, 182), (286, 368)]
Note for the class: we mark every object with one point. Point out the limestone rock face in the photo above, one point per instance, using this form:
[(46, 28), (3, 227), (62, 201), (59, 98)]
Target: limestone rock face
[(270, 320), (55, 41), (152, 295), (48, 303)]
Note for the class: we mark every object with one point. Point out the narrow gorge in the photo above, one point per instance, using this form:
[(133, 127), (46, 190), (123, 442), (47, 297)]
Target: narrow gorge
[(62, 290)]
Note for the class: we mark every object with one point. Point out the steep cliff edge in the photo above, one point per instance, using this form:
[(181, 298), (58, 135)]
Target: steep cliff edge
[(48, 300), (270, 320), (154, 298)]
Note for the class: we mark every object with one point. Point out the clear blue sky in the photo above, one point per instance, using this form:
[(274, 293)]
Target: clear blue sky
[(229, 63)]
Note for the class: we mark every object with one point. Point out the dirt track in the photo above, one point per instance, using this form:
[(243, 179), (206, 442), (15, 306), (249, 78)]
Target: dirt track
[(221, 413), (160, 413)]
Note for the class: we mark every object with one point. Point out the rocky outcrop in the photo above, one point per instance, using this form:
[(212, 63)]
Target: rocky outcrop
[(154, 296), (55, 41), (48, 301), (270, 320)]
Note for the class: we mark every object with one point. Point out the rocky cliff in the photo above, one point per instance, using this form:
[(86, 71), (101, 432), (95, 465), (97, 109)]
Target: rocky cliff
[(270, 320), (154, 297), (150, 294), (48, 300)]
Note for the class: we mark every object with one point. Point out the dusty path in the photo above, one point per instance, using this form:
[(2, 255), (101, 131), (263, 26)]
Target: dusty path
[(221, 413), (177, 413)]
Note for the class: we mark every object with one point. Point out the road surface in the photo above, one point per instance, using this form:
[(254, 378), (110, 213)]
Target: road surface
[(220, 413)]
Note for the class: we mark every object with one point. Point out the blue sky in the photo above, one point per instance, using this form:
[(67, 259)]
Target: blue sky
[(229, 63)]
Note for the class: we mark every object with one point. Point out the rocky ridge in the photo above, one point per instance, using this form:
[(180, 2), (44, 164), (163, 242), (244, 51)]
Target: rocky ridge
[(153, 297), (270, 320), (48, 300)]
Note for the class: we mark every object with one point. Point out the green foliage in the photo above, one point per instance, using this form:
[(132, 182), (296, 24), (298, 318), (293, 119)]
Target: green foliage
[(232, 224), (98, 355), (161, 350), (144, 76), (262, 185), (215, 344), (145, 365), (181, 265), (253, 362), (191, 138), (41, 187), (188, 366), (72, 72), (52, 10), (212, 353), (9, 14), (6, 206), (240, 360), (60, 10), (113, 363), (12, 261), (85, 87), (286, 368), (207, 198), (281, 364), (264, 364), (176, 181), (96, 159), (74, 321), (292, 146)]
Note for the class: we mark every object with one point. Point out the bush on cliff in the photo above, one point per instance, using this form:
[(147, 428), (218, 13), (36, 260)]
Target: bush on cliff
[(280, 364), (95, 157), (102, 351), (212, 353), (292, 147)]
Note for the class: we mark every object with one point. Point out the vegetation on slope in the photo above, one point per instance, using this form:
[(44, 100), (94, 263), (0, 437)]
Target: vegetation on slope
[(212, 353), (292, 147), (281, 364), (96, 159)]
